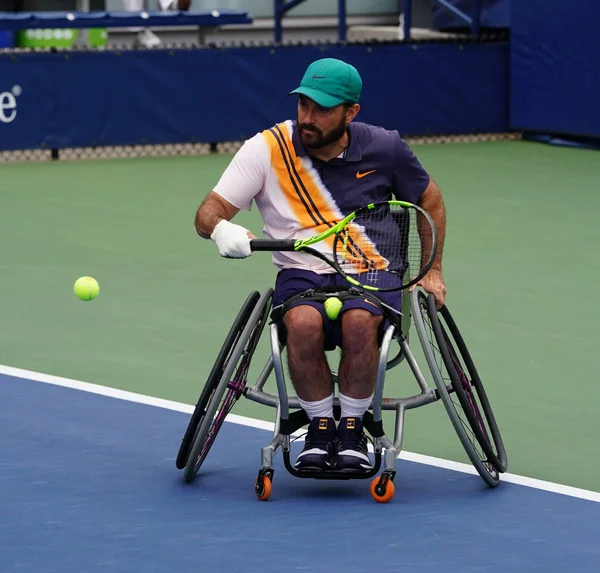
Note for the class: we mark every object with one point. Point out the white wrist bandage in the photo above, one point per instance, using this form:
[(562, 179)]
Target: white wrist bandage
[(232, 240)]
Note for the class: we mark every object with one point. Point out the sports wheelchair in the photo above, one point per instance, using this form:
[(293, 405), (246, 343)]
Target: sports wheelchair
[(457, 384)]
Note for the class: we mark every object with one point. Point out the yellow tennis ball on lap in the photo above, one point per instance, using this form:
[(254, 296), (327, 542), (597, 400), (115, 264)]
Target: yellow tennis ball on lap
[(333, 306), (86, 288)]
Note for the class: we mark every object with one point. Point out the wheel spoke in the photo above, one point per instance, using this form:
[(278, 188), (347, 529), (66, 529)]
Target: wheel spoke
[(466, 384), (221, 394)]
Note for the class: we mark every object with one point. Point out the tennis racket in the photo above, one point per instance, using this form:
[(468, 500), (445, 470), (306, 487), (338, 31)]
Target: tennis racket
[(384, 246)]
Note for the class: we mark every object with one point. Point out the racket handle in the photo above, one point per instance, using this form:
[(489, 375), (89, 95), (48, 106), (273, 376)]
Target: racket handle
[(271, 245)]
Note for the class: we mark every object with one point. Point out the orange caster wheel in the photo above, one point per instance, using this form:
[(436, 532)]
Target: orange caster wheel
[(263, 486), (382, 488)]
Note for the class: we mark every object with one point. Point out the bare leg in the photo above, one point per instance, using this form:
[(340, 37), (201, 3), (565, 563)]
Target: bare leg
[(308, 364), (360, 353), (358, 372)]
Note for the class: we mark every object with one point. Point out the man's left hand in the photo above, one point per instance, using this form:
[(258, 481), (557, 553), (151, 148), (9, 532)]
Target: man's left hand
[(433, 283)]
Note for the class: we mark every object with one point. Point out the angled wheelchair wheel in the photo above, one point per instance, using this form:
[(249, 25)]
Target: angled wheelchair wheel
[(460, 388), (226, 383), (213, 378)]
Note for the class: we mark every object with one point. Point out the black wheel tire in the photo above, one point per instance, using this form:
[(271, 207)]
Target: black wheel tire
[(229, 387), (213, 378), (470, 392)]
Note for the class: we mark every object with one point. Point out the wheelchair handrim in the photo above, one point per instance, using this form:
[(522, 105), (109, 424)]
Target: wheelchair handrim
[(423, 324), (470, 393), (499, 459), (223, 400), (213, 378)]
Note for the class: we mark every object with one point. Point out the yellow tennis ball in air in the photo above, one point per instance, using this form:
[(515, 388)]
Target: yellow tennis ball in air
[(333, 306), (86, 288)]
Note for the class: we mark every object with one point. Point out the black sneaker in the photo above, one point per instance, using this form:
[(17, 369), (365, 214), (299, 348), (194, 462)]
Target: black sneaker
[(352, 452), (319, 445)]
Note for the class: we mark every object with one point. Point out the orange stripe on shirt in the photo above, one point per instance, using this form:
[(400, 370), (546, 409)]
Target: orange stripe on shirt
[(309, 205), (298, 188), (306, 180), (358, 251)]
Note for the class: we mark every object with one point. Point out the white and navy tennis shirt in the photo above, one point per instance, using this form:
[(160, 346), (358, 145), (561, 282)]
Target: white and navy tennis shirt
[(299, 196)]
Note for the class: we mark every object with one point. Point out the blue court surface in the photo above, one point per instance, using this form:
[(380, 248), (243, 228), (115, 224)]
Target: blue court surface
[(88, 483)]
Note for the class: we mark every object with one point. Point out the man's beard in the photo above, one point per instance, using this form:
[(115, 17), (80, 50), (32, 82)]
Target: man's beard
[(318, 140)]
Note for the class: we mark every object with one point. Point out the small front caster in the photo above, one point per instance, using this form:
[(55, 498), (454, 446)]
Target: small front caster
[(382, 488), (263, 484)]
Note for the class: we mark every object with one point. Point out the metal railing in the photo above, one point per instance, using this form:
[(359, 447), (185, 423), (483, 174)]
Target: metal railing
[(282, 7), (474, 20), (83, 19), (32, 20)]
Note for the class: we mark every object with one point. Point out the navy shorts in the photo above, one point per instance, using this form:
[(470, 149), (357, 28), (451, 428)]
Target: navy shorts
[(291, 282)]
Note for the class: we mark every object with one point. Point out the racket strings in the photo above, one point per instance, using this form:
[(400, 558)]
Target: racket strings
[(351, 250), (390, 238)]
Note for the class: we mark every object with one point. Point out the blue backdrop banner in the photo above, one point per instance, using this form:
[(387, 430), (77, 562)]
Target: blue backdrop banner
[(555, 62), (81, 99)]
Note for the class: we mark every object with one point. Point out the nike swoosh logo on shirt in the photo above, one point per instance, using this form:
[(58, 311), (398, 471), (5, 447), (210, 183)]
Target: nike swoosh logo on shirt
[(360, 175)]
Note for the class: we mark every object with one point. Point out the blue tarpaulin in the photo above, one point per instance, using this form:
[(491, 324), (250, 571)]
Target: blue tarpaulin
[(73, 99), (555, 67)]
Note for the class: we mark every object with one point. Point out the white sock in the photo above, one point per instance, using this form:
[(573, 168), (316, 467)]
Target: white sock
[(321, 409), (354, 407)]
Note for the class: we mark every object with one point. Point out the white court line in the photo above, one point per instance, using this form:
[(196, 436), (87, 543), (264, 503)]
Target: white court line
[(269, 426)]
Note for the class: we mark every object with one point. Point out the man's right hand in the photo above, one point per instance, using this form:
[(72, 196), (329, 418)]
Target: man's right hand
[(233, 241)]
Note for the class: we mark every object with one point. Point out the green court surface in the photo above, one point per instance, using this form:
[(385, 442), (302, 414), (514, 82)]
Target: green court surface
[(521, 266)]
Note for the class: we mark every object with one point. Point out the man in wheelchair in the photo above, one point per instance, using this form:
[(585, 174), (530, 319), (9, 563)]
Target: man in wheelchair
[(308, 334), (305, 175)]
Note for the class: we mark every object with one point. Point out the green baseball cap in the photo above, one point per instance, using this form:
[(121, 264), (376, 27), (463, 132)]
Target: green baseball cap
[(330, 82)]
